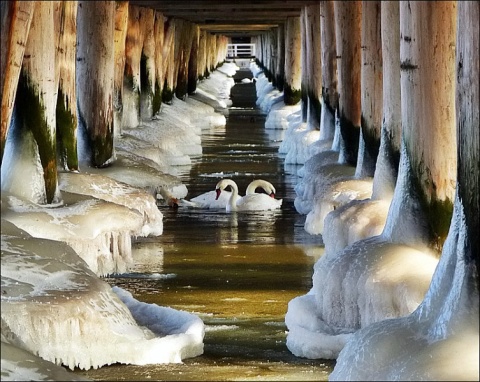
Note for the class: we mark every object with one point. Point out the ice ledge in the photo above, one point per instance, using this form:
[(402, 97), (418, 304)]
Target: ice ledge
[(54, 307)]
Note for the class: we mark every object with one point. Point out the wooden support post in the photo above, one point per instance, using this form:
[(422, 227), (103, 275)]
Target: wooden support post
[(293, 68), (15, 26), (348, 18), (372, 89), (95, 74)]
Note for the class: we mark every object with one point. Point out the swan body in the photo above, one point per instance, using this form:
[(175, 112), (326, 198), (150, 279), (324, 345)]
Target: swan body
[(249, 202), (209, 199)]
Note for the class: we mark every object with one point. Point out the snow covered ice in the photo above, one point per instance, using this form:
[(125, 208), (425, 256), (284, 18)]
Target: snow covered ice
[(55, 308)]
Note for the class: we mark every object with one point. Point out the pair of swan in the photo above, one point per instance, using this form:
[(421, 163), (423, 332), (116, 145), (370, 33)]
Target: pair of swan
[(252, 201), (230, 200)]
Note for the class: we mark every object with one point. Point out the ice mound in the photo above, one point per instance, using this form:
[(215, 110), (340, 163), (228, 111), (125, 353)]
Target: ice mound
[(53, 306), (97, 217), (105, 188), (278, 116), (106, 247), (369, 281), (356, 220), (215, 90), (333, 195), (319, 171), (438, 341), (138, 172)]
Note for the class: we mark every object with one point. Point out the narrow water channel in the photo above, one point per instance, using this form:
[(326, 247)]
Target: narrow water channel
[(236, 271)]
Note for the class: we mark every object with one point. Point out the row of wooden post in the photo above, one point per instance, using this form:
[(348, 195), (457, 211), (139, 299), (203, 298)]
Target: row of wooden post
[(93, 68), (387, 69)]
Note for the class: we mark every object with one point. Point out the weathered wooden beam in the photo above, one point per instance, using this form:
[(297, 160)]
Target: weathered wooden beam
[(388, 161), (120, 35), (95, 74), (65, 24), (348, 18), (372, 89), (293, 69), (329, 70), (271, 5), (428, 163), (15, 26), (36, 99)]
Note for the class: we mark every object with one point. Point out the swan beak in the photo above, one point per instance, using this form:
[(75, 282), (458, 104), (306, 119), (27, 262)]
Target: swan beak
[(218, 193), (173, 203), (272, 195)]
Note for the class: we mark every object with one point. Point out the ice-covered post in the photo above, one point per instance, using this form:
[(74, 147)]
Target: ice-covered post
[(280, 69), (329, 70), (372, 88), (268, 61), (348, 21), (293, 68), (210, 45), (305, 76), (314, 66), (120, 34), (147, 63), (468, 138), (168, 62), (185, 32), (36, 99), (202, 55), (444, 329), (65, 24), (220, 50), (131, 80), (428, 167), (386, 170), (274, 55), (16, 18), (193, 61), (159, 36), (94, 78)]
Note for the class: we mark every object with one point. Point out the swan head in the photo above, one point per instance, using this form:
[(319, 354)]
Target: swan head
[(224, 183)]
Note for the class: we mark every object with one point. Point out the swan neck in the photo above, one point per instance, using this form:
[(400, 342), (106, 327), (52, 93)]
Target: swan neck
[(233, 196)]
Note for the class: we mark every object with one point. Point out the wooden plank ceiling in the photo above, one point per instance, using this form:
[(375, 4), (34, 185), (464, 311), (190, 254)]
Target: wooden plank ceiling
[(236, 19)]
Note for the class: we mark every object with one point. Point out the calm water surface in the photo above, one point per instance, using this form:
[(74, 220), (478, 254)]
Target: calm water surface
[(235, 271)]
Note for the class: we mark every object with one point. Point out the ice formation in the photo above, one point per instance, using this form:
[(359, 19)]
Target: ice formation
[(430, 343), (53, 306)]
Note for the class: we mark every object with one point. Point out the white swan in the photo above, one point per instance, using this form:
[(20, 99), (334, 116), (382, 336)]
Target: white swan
[(209, 199), (250, 202)]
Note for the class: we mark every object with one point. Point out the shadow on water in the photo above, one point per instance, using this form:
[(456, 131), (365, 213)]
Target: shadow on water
[(236, 271)]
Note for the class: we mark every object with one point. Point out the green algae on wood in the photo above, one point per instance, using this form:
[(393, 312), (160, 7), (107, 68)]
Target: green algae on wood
[(31, 115), (66, 133)]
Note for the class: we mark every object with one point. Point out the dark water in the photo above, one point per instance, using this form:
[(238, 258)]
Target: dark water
[(235, 271)]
